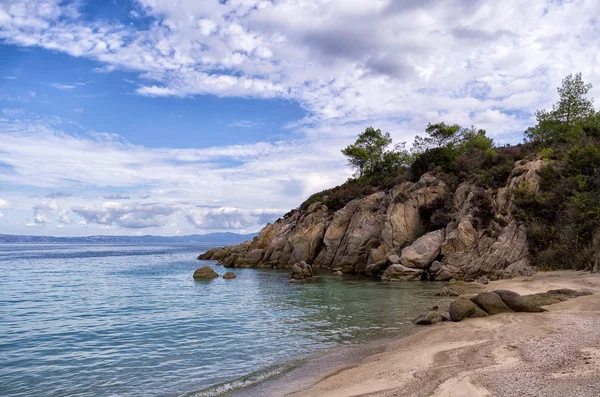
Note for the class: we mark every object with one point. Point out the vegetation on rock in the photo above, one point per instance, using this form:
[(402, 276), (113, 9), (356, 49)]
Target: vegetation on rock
[(497, 209)]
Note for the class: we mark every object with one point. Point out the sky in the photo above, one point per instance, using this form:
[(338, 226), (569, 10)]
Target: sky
[(174, 117)]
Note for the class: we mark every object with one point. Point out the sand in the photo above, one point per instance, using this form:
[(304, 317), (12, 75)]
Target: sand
[(556, 353)]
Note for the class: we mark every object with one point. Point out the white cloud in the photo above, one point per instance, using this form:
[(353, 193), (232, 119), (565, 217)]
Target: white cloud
[(3, 205), (134, 216), (420, 58), (63, 86), (231, 218), (42, 212), (393, 64), (246, 124)]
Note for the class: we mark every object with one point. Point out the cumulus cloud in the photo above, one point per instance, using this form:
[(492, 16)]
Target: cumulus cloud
[(3, 205), (483, 63), (231, 218), (134, 216), (421, 59), (42, 212)]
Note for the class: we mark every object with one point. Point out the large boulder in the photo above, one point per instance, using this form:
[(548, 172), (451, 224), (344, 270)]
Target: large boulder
[(517, 303), (376, 268), (423, 251), (491, 303), (205, 272), (462, 308), (402, 273)]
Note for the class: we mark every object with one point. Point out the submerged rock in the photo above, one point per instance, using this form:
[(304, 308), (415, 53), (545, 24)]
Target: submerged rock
[(229, 276), (205, 272), (453, 290)]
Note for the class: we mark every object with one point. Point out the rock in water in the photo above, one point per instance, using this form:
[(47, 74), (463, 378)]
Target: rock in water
[(491, 303), (376, 268), (229, 276), (205, 272), (483, 280), (402, 273), (453, 290), (301, 272), (423, 251), (430, 318), (517, 303)]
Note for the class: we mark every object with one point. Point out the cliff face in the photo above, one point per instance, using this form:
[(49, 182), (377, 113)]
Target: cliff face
[(379, 234)]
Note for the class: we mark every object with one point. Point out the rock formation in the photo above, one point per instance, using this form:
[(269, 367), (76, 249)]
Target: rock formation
[(205, 272), (301, 272), (380, 235), (496, 302)]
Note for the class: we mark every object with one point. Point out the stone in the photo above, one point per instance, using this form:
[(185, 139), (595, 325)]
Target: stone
[(376, 268), (554, 296), (205, 272), (518, 303), (544, 299), (301, 271), (229, 276), (429, 318), (479, 312), (402, 273), (461, 308), (338, 273), (453, 290), (491, 303), (423, 251), (393, 259), (435, 267), (483, 280), (569, 293)]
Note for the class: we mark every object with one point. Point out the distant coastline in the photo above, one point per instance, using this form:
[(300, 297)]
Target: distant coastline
[(193, 238)]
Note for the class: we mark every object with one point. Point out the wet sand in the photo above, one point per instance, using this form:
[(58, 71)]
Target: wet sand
[(556, 353)]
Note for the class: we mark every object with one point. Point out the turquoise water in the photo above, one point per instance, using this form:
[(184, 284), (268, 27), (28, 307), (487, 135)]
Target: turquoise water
[(113, 320)]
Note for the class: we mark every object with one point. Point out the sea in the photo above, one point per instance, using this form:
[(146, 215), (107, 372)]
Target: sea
[(129, 320)]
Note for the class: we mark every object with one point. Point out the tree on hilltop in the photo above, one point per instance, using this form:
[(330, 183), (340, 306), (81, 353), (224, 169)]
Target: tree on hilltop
[(370, 154)]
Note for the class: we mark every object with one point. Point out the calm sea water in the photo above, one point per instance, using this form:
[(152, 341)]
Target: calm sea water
[(114, 320)]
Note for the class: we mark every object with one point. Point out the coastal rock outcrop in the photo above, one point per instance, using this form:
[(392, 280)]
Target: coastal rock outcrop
[(205, 272), (370, 234)]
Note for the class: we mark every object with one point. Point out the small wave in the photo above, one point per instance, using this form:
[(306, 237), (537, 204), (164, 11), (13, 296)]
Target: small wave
[(246, 380)]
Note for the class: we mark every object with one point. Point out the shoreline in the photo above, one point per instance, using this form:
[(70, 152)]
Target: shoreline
[(511, 354)]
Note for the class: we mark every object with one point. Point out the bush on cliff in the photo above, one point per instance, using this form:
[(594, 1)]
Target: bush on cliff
[(563, 217)]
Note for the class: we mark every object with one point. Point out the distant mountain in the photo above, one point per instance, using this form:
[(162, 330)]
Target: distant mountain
[(225, 238)]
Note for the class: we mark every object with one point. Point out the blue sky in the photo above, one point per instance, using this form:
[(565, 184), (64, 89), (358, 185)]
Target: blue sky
[(162, 117)]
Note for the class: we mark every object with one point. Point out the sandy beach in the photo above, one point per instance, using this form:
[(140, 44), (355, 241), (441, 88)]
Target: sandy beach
[(556, 353)]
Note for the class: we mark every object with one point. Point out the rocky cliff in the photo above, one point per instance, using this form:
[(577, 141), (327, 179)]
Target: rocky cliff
[(382, 234)]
